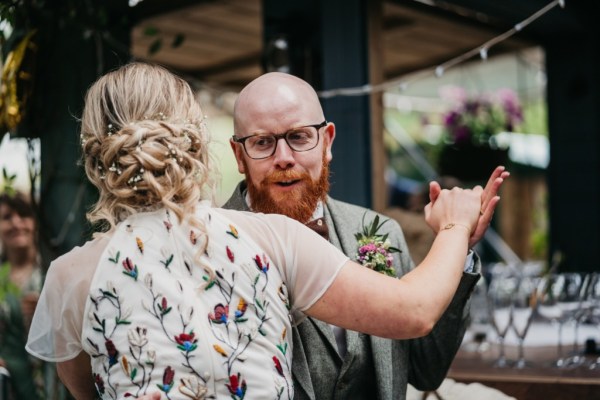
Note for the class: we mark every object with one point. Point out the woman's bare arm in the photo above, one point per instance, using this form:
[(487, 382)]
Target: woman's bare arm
[(366, 301), (76, 374)]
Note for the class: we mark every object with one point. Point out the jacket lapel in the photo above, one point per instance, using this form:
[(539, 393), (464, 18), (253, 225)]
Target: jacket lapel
[(237, 201), (339, 235), (342, 236), (383, 364)]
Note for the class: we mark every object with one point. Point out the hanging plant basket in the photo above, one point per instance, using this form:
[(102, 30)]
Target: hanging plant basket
[(470, 163)]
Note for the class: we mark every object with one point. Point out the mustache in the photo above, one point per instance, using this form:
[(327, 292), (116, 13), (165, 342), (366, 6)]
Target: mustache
[(286, 175)]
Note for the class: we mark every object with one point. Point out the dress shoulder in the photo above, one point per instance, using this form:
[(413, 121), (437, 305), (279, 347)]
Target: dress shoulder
[(56, 326)]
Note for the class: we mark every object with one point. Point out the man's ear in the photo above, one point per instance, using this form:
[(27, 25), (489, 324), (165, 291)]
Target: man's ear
[(328, 137), (238, 151)]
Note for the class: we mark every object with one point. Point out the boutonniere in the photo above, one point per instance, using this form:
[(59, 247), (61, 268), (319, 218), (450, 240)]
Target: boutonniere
[(375, 250)]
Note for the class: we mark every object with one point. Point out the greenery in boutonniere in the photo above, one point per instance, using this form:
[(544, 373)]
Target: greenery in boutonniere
[(375, 250)]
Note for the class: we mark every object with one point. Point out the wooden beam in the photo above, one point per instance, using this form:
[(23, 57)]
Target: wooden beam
[(151, 8), (376, 76)]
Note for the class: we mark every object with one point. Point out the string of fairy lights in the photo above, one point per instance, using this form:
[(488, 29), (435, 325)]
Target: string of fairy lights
[(439, 70)]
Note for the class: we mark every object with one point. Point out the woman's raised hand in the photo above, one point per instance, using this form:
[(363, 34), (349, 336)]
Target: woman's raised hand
[(455, 206), (489, 201)]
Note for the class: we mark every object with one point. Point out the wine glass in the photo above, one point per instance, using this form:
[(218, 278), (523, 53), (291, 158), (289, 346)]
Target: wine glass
[(558, 302), (594, 310), (583, 311), (524, 305), (479, 325), (501, 290)]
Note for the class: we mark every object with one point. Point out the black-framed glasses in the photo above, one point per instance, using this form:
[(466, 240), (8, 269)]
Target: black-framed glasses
[(259, 146)]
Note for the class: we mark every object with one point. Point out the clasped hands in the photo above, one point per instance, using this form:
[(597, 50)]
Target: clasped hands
[(472, 208)]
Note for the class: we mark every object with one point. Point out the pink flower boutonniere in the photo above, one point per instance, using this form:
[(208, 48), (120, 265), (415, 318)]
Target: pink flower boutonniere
[(375, 250)]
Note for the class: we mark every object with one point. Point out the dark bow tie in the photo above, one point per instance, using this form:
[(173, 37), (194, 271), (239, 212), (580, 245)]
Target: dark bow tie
[(318, 225)]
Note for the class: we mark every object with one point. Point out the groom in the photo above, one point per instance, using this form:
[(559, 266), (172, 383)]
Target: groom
[(282, 144)]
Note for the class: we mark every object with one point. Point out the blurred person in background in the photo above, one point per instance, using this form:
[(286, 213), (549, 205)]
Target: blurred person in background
[(20, 285)]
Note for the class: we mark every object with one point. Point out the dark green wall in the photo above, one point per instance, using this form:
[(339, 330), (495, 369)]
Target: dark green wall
[(328, 48)]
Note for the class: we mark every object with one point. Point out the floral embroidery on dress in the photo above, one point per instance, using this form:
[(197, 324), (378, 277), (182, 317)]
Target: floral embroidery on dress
[(220, 314), (130, 268), (114, 258), (283, 296), (263, 265), (193, 237), (140, 244), (241, 310), (233, 231), (192, 387), (109, 296), (237, 388), (283, 348), (169, 345), (99, 383), (167, 380), (229, 254), (186, 342), (168, 258)]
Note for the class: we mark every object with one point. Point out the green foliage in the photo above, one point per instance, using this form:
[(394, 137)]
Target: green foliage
[(539, 244), (157, 44), (6, 286), (7, 11), (8, 184), (374, 250), (151, 31), (413, 126), (535, 118), (178, 40)]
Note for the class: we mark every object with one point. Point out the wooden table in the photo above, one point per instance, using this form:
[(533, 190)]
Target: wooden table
[(540, 382)]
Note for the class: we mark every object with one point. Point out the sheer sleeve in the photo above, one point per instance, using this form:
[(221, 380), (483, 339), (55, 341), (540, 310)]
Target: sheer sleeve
[(308, 262), (55, 333)]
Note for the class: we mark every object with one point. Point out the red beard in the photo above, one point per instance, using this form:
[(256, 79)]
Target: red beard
[(299, 203)]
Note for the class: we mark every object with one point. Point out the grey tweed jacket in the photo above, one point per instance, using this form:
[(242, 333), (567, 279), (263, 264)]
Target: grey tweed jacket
[(421, 362)]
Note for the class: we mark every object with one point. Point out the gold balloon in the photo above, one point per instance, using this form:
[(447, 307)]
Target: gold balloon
[(15, 87)]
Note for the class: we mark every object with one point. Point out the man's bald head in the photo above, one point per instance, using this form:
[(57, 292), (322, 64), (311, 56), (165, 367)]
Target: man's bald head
[(276, 101), (288, 182)]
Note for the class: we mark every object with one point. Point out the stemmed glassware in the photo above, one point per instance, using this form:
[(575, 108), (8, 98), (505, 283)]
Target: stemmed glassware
[(501, 290), (582, 312), (558, 302), (524, 305), (594, 310), (480, 319)]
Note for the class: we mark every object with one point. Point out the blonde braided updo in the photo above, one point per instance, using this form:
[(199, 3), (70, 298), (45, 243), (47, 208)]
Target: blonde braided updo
[(144, 144)]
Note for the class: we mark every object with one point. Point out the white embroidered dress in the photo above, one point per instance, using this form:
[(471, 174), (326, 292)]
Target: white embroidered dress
[(152, 317)]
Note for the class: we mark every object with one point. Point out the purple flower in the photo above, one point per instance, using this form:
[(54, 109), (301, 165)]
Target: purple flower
[(367, 248), (452, 118), (478, 118), (462, 134), (373, 250)]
